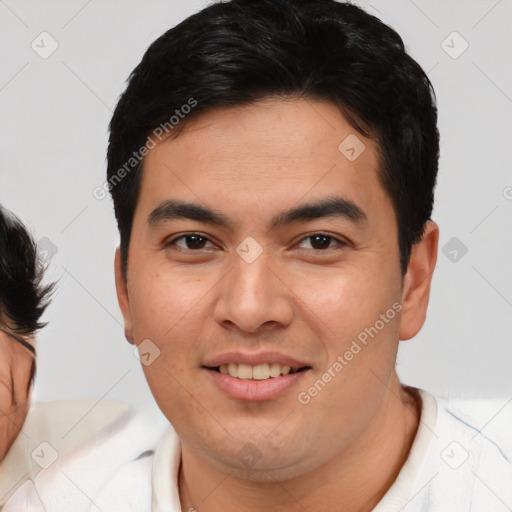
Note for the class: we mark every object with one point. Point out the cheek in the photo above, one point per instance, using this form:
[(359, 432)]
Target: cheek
[(175, 383), (354, 312), (340, 301), (162, 305), (168, 311)]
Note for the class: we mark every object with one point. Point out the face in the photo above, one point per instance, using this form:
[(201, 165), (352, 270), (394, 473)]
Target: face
[(255, 284), (16, 362)]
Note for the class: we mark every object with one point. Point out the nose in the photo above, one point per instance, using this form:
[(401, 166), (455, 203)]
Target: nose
[(253, 297)]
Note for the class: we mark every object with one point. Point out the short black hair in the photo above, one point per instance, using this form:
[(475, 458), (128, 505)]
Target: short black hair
[(239, 52), (23, 297)]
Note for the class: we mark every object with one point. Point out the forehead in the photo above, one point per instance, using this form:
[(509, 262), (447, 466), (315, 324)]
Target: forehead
[(256, 158)]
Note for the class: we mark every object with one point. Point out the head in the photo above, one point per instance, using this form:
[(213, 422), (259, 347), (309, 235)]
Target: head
[(23, 299), (272, 166)]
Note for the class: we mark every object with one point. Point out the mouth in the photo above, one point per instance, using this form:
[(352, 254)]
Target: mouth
[(259, 383), (255, 376), (259, 372)]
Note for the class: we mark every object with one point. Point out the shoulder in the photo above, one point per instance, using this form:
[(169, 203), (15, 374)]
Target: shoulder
[(92, 452), (486, 421), (468, 465)]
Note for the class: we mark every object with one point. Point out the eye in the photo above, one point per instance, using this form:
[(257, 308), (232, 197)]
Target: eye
[(321, 241), (191, 241)]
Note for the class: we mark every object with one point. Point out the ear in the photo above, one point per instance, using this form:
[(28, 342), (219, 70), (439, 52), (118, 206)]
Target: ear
[(122, 297), (417, 280)]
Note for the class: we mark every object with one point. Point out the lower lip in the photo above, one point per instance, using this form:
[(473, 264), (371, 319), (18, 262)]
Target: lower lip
[(255, 390)]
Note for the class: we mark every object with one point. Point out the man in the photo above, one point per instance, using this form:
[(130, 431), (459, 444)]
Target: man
[(272, 166)]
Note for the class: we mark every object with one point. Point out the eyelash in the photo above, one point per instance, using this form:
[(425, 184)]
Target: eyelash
[(327, 235)]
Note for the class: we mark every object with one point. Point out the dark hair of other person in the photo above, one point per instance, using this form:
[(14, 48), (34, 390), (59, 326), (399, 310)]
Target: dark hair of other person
[(242, 51), (23, 296)]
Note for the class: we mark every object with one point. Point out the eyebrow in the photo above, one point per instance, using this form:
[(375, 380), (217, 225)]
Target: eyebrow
[(334, 206)]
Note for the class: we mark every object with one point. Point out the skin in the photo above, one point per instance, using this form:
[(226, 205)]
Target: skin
[(344, 449), (15, 378)]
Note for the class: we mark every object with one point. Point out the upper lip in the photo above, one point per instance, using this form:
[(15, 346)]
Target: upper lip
[(254, 359)]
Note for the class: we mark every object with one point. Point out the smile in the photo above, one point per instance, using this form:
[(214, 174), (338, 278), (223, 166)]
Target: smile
[(259, 372), (249, 387)]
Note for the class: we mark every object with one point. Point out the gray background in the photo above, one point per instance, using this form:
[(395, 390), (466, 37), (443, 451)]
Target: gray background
[(53, 139)]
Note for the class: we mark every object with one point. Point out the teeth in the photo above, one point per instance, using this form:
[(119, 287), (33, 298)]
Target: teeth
[(244, 371), (275, 370), (233, 369), (259, 372)]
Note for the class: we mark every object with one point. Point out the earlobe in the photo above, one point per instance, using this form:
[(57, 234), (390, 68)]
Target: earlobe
[(417, 281), (122, 297)]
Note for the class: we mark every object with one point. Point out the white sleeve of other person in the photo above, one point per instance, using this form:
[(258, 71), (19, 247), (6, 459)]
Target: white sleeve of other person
[(109, 471)]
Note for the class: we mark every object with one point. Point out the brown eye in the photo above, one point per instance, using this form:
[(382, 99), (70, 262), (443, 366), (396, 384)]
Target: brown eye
[(192, 241), (322, 241)]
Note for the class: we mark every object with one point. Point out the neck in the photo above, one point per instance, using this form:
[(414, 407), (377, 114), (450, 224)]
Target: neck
[(354, 480)]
